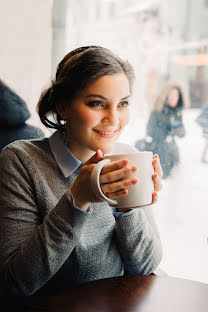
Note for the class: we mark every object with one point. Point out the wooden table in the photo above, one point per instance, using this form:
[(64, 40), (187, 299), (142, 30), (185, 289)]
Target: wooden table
[(128, 294)]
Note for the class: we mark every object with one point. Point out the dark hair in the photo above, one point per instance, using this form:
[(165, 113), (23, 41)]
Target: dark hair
[(180, 99), (74, 73)]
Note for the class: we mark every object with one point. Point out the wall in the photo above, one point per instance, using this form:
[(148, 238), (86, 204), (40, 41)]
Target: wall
[(25, 39)]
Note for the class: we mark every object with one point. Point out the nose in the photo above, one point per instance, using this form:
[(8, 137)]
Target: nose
[(111, 117)]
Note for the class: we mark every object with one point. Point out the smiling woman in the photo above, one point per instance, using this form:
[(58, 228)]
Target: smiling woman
[(60, 234), (97, 115)]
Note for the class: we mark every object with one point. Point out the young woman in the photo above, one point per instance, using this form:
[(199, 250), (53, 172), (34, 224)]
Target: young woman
[(164, 124), (54, 232)]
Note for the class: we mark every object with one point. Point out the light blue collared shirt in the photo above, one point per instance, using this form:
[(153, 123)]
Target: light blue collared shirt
[(68, 163)]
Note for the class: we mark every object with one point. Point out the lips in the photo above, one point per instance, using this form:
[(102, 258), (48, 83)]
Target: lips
[(105, 133)]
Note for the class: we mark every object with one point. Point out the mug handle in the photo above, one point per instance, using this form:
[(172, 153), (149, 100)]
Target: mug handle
[(95, 182)]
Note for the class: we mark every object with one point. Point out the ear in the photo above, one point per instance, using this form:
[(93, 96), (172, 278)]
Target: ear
[(61, 109)]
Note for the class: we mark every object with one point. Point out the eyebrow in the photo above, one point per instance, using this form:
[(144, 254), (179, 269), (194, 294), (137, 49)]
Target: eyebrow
[(104, 98)]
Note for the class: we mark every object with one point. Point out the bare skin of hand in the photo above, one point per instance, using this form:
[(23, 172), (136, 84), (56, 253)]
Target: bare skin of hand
[(81, 189), (157, 179), (110, 178), (114, 180)]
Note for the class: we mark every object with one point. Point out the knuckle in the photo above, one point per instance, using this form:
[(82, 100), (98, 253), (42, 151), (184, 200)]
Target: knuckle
[(110, 196), (127, 170), (87, 168), (127, 183), (109, 188), (103, 190), (118, 165), (109, 177)]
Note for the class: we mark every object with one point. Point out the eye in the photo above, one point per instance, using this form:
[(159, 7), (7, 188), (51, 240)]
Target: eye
[(95, 104), (124, 104)]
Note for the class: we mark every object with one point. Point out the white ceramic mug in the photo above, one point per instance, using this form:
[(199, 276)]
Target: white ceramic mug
[(140, 194)]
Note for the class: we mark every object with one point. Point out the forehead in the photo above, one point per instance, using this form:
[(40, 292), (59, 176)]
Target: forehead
[(116, 83), (174, 91)]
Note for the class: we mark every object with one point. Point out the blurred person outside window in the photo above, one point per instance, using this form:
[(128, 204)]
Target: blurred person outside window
[(164, 124)]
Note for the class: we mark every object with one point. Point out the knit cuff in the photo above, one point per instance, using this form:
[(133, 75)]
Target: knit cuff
[(69, 219), (130, 223), (72, 202)]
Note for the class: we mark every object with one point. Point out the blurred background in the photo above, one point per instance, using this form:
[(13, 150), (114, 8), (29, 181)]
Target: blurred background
[(164, 40)]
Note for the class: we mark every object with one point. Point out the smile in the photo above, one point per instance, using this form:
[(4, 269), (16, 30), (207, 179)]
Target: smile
[(106, 133)]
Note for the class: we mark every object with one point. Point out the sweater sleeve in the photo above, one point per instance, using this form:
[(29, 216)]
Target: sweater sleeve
[(139, 243), (138, 236), (32, 247)]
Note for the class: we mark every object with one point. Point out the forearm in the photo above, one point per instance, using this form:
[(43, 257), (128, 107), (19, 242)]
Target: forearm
[(139, 245), (31, 254), (39, 227)]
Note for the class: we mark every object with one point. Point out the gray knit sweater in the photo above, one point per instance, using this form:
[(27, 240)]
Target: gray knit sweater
[(46, 243)]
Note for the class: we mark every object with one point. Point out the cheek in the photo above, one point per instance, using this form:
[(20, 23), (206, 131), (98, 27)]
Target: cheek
[(85, 119), (125, 118)]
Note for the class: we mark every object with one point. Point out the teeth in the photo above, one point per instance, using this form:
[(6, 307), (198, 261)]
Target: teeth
[(106, 133)]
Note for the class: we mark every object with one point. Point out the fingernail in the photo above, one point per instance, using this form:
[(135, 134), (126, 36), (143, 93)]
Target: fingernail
[(134, 181), (133, 168)]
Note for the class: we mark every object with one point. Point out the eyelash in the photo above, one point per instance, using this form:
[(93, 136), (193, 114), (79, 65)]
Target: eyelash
[(126, 103), (93, 104)]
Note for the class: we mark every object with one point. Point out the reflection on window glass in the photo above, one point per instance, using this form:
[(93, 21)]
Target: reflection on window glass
[(167, 43)]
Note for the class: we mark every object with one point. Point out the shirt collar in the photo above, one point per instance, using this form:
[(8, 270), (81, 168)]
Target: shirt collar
[(66, 161)]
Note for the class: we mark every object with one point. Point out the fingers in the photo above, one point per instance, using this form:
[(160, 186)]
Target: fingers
[(117, 194), (118, 174), (114, 165), (157, 166), (154, 197), (114, 187), (158, 185), (95, 158), (115, 178)]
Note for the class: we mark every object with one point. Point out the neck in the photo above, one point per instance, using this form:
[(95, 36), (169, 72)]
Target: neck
[(80, 154)]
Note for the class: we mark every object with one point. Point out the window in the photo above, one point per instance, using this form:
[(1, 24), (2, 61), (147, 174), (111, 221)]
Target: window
[(163, 47), (206, 3)]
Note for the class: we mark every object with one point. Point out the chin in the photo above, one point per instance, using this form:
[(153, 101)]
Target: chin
[(107, 149)]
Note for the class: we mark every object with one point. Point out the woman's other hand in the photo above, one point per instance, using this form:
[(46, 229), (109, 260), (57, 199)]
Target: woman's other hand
[(157, 177)]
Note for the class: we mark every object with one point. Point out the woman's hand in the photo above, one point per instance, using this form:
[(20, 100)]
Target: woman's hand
[(110, 181), (157, 177), (115, 178), (81, 189)]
